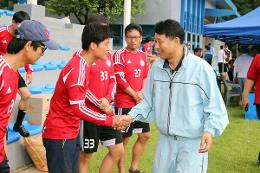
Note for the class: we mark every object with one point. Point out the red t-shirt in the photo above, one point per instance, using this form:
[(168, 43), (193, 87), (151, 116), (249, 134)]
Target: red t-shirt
[(102, 83), (67, 105), (254, 74), (130, 70), (5, 39), (8, 91)]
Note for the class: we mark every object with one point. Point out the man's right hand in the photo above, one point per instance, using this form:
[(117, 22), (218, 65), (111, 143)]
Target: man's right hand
[(105, 106), (138, 96), (245, 101), (121, 122)]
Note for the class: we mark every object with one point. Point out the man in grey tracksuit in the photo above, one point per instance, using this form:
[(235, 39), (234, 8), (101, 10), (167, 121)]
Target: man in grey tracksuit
[(182, 97)]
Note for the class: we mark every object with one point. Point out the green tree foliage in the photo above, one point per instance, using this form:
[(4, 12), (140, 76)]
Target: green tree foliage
[(245, 6), (83, 8)]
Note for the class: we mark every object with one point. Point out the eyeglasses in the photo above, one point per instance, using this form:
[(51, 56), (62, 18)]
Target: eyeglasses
[(43, 47), (132, 37)]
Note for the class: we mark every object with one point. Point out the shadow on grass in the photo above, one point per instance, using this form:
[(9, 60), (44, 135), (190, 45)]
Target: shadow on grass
[(236, 112)]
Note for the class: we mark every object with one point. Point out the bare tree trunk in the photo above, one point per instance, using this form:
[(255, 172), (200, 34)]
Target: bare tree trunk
[(78, 18)]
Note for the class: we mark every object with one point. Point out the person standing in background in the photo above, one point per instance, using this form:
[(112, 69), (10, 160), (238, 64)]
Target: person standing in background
[(241, 65), (148, 49), (198, 52), (66, 19), (222, 63), (188, 45), (253, 79), (6, 35), (131, 69), (212, 50), (208, 55)]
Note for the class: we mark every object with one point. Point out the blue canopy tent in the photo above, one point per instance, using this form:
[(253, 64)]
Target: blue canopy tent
[(244, 29)]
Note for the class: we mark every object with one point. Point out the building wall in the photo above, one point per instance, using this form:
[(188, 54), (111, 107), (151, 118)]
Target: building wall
[(192, 20), (190, 14), (157, 10)]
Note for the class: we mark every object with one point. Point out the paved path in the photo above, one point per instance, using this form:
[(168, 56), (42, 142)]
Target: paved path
[(27, 169)]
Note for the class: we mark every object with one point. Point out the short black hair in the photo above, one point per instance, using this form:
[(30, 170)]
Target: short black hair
[(97, 18), (94, 32), (170, 28), (197, 49), (134, 26), (20, 16), (16, 45), (207, 47)]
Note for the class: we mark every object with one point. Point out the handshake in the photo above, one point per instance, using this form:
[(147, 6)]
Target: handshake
[(121, 122)]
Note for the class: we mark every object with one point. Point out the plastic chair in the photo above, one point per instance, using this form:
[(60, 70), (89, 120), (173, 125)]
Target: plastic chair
[(50, 66), (48, 89), (32, 129), (9, 13), (40, 63), (21, 70), (37, 67), (2, 12), (61, 65), (64, 47), (36, 89), (251, 112), (12, 136), (231, 90)]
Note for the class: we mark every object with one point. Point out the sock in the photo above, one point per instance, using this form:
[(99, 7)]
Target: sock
[(20, 117)]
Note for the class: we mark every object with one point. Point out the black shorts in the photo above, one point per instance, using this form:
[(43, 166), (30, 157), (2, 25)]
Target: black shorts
[(258, 110), (21, 82), (91, 134), (136, 126)]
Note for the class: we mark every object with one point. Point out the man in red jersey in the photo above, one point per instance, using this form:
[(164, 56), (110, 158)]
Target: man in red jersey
[(26, 47), (99, 98), (148, 45), (131, 70), (148, 49), (253, 79), (6, 35), (67, 107)]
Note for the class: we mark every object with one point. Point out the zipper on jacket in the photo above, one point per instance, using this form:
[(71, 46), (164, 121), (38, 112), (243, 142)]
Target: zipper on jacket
[(170, 98)]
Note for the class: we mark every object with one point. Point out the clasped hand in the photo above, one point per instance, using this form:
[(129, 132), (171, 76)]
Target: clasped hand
[(121, 122), (105, 106)]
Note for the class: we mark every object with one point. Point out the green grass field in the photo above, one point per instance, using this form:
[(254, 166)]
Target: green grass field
[(236, 151)]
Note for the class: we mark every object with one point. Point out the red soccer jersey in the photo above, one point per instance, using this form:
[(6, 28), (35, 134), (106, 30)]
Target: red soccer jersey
[(130, 70), (254, 74), (102, 82), (8, 91), (5, 39), (67, 105), (147, 48)]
